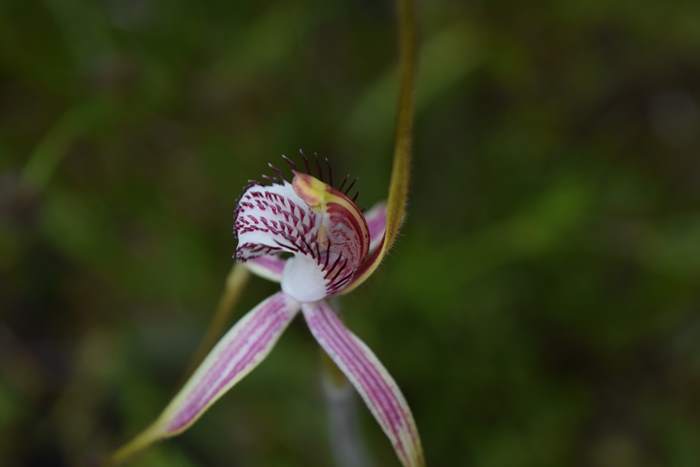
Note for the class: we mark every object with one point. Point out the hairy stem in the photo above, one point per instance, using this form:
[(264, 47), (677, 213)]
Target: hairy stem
[(403, 138)]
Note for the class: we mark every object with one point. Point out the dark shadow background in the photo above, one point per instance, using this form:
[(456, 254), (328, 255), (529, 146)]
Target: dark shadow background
[(539, 309)]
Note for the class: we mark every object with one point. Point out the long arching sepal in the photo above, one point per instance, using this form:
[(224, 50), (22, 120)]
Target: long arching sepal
[(241, 349), (371, 380)]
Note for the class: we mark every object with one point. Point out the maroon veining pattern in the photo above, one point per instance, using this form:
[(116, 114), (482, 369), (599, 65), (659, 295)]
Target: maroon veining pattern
[(349, 242), (270, 320), (333, 335), (291, 226), (337, 240)]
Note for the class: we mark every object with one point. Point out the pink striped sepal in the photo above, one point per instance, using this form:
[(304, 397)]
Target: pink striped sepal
[(241, 349), (371, 380)]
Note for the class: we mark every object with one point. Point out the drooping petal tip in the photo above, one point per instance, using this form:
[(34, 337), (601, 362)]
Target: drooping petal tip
[(241, 349), (371, 380)]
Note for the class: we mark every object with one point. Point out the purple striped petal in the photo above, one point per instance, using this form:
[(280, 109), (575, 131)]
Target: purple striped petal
[(268, 266), (370, 378), (243, 347), (376, 223)]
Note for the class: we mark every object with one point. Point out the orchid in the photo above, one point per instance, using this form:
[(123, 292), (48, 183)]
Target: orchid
[(306, 233), (311, 237)]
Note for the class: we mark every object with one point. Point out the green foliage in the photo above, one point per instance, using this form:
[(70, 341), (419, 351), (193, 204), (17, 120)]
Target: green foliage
[(540, 307)]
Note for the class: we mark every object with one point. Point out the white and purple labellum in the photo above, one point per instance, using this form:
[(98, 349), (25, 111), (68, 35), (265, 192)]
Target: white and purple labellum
[(320, 226)]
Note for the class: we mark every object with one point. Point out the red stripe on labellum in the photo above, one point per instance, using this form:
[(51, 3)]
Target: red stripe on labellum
[(307, 217), (272, 216)]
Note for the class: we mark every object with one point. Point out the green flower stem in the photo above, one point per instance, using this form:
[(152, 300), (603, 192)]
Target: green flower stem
[(403, 138)]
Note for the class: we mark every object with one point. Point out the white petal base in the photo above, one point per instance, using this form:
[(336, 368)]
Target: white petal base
[(303, 279)]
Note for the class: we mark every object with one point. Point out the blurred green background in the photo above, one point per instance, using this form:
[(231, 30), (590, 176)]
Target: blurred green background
[(539, 309)]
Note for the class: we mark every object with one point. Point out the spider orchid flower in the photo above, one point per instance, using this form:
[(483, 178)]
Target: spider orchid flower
[(311, 237)]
